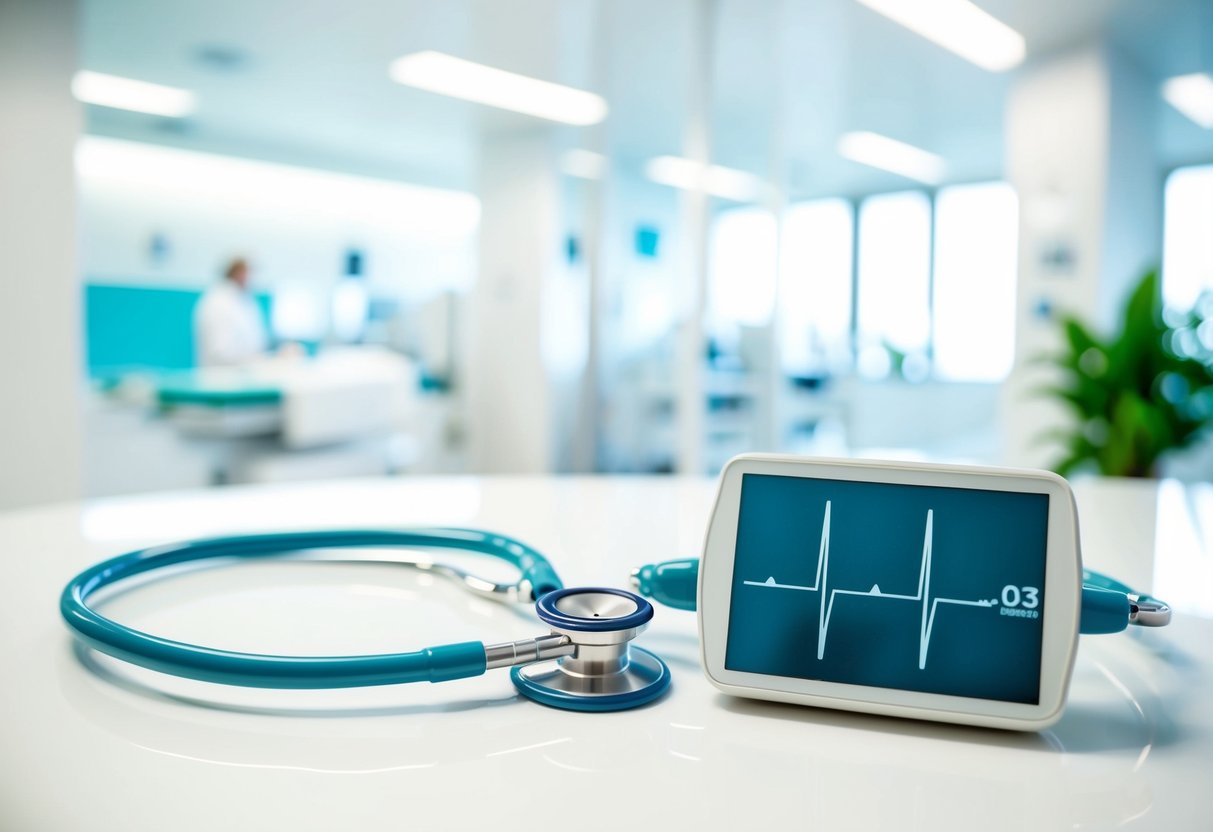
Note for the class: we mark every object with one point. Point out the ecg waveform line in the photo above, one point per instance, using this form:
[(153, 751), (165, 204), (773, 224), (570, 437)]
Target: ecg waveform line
[(930, 606)]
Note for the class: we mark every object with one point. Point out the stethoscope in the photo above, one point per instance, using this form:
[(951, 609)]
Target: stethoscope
[(585, 663)]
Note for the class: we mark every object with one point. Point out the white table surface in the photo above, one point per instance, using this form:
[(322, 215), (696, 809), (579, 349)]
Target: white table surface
[(86, 743)]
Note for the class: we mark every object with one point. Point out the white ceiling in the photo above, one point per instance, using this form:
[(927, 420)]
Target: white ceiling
[(787, 78)]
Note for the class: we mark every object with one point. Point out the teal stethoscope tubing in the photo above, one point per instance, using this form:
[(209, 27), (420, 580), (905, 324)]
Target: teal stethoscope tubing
[(1105, 600), (1105, 609), (435, 664)]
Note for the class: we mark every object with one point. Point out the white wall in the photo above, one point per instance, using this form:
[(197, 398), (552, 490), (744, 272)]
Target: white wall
[(295, 224), (40, 445), (1133, 216), (945, 420), (640, 302), (1080, 157), (511, 389)]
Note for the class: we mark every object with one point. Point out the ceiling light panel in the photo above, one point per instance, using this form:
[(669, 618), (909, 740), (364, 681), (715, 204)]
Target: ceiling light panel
[(960, 27), (877, 151), (129, 94), (447, 75), (727, 183), (1192, 95)]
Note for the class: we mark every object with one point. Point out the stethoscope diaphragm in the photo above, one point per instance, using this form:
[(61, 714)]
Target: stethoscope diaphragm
[(605, 672)]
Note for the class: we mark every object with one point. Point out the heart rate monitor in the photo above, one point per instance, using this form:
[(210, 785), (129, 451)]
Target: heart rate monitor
[(917, 590)]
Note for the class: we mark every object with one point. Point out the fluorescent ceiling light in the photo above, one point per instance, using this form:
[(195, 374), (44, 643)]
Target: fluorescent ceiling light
[(877, 151), (689, 175), (958, 26), (129, 94), (1192, 95), (448, 75), (584, 164)]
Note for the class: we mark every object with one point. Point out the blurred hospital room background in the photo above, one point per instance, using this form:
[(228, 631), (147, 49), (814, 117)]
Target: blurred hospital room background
[(616, 236)]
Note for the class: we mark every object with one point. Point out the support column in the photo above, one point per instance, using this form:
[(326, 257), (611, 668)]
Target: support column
[(1080, 156), (527, 349), (40, 344), (693, 250)]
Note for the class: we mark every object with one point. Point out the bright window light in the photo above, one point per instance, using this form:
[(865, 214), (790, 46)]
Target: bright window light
[(298, 313), (584, 164), (127, 166), (742, 259), (815, 286), (647, 310), (129, 94), (1192, 95), (689, 175), (447, 75), (976, 247), (893, 305), (1187, 244), (877, 151), (960, 27), (351, 305)]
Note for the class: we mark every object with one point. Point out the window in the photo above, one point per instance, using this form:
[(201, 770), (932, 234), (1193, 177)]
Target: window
[(932, 286), (741, 271), (894, 282), (815, 286), (1187, 253), (976, 240)]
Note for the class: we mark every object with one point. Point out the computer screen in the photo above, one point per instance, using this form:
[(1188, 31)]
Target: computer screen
[(924, 588)]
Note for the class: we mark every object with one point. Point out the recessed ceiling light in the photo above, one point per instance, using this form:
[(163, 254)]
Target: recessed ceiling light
[(584, 164), (448, 75), (129, 94), (689, 175), (960, 27), (877, 151), (1192, 95)]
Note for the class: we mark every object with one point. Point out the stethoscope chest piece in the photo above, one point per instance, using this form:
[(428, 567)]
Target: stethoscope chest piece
[(602, 671)]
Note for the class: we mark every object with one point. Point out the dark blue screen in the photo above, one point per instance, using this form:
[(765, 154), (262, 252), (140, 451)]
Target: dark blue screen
[(923, 588)]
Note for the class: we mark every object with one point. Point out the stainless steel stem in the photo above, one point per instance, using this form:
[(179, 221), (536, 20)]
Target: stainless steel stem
[(528, 650)]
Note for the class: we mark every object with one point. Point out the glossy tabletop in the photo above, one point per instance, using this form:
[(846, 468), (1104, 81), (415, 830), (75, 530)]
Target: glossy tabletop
[(88, 743)]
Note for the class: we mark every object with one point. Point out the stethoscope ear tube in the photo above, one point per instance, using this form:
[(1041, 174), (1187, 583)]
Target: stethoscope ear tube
[(673, 583), (254, 670), (1108, 606), (433, 664), (1104, 614)]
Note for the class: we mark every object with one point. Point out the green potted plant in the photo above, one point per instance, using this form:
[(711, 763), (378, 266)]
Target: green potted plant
[(1137, 395)]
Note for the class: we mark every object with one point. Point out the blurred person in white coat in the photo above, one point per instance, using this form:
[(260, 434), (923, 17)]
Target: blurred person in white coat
[(228, 325)]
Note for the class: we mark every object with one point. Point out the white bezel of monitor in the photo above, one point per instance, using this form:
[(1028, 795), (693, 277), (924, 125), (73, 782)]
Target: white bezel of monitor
[(1062, 598)]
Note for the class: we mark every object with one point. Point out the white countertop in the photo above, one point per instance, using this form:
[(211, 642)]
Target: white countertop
[(86, 743)]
